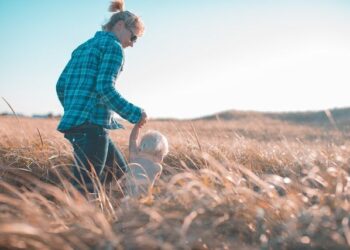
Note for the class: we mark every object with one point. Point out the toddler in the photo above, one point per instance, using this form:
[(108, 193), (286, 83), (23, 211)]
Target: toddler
[(145, 158)]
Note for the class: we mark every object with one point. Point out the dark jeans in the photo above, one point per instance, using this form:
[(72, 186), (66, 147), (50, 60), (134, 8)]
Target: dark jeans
[(93, 148)]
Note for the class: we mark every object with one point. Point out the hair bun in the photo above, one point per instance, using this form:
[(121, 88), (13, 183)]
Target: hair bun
[(116, 5)]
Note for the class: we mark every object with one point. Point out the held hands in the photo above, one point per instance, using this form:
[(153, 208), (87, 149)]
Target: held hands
[(143, 119)]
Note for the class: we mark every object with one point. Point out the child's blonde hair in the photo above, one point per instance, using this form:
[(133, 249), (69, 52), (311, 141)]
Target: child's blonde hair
[(154, 143)]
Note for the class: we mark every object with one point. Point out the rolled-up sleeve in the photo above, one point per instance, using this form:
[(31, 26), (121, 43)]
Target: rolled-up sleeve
[(108, 71)]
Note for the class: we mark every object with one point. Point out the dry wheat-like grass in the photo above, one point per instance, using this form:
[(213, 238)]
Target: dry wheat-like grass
[(248, 184)]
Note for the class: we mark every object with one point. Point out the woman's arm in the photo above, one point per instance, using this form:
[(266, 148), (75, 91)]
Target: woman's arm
[(111, 63), (60, 88)]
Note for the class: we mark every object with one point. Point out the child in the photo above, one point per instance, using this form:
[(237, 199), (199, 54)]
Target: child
[(145, 160)]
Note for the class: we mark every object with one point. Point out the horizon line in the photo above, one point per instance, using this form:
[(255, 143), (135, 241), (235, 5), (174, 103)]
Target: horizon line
[(55, 115)]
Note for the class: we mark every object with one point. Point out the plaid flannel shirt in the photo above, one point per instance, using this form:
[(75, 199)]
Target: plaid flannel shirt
[(86, 86)]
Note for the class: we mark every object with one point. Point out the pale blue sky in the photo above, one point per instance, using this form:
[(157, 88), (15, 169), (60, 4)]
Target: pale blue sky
[(196, 58)]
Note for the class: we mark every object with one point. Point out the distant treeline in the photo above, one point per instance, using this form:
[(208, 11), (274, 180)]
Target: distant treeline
[(338, 117)]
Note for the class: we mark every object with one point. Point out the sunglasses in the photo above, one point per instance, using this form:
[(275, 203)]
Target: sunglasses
[(133, 37)]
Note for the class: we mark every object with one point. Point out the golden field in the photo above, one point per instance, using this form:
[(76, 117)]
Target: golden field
[(251, 183)]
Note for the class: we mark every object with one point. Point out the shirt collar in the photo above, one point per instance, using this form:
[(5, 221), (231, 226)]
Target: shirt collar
[(107, 33)]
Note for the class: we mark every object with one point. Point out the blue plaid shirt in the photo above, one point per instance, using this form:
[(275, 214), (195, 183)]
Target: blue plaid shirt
[(86, 86)]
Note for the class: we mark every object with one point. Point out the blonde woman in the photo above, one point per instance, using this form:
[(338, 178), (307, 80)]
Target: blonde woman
[(86, 90)]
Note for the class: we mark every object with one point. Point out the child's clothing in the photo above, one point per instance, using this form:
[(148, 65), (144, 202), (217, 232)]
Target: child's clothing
[(141, 175)]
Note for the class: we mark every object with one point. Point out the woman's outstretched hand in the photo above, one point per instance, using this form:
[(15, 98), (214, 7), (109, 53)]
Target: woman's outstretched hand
[(143, 119)]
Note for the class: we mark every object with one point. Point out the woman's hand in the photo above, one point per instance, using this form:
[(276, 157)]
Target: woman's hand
[(143, 119)]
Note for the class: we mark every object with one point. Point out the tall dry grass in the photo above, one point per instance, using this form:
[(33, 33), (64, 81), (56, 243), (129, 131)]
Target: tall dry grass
[(247, 184)]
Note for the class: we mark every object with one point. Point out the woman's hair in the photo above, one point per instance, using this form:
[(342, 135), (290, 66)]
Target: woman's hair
[(131, 20), (155, 143)]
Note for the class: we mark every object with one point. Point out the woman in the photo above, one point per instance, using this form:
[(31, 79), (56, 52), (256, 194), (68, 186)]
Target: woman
[(86, 90)]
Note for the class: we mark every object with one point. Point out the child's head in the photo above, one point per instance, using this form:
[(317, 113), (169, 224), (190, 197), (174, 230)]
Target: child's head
[(155, 144)]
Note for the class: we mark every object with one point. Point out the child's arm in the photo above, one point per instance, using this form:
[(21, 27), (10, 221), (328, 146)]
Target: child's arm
[(134, 135), (133, 144)]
